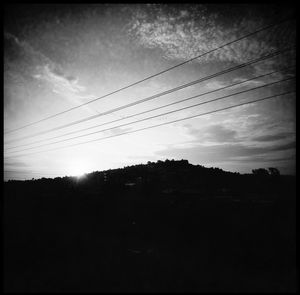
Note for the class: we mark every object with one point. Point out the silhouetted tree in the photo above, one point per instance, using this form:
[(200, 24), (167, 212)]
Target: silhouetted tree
[(274, 171), (260, 172)]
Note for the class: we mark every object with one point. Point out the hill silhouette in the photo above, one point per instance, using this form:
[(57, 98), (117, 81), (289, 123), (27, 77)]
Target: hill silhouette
[(164, 226)]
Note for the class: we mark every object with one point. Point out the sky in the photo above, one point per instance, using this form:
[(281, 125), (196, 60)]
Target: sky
[(57, 57)]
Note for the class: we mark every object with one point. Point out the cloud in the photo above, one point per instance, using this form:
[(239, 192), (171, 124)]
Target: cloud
[(61, 83), (265, 158), (11, 168), (244, 82), (273, 137), (29, 54), (220, 133), (215, 133), (64, 85), (229, 152), (184, 35), (118, 130), (249, 130), (215, 84), (41, 67), (182, 39), (283, 147), (11, 164)]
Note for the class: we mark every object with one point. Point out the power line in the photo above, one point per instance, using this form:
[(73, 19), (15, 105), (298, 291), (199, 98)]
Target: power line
[(158, 125), (123, 125), (154, 75), (156, 116), (194, 116), (273, 54), (165, 92), (154, 109)]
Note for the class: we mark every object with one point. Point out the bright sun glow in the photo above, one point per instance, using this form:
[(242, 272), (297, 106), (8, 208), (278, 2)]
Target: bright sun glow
[(77, 168)]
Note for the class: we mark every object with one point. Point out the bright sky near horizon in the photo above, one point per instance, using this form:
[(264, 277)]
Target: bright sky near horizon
[(60, 56)]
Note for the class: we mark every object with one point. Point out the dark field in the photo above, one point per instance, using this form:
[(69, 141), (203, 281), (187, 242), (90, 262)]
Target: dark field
[(86, 243)]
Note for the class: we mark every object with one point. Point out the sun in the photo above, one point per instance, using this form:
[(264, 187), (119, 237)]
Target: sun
[(77, 168)]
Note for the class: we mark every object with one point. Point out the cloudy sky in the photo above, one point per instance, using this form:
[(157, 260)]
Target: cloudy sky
[(57, 57)]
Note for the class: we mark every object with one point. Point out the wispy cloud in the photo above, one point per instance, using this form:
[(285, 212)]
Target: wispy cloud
[(256, 130), (184, 34), (11, 164), (218, 153), (274, 137), (117, 131), (42, 68), (214, 134), (27, 47), (216, 84), (65, 85), (61, 83), (265, 158), (182, 39)]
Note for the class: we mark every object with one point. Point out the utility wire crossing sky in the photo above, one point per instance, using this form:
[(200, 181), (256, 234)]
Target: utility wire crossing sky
[(68, 66), (147, 118), (152, 76), (164, 93), (144, 112)]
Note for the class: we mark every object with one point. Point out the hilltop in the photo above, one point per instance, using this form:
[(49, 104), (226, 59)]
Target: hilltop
[(165, 177)]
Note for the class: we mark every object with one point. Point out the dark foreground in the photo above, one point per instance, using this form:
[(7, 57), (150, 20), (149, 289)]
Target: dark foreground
[(85, 243), (159, 227)]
